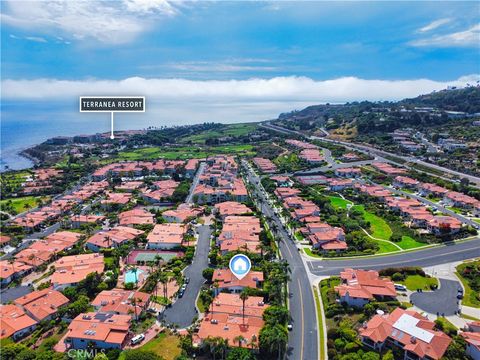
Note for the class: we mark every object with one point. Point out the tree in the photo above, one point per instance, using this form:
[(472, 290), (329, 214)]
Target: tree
[(273, 340), (239, 339), (244, 297), (240, 354), (276, 314), (208, 274), (163, 279), (216, 346)]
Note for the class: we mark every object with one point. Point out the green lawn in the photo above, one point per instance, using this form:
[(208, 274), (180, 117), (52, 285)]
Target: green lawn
[(290, 162), (469, 298), (227, 130), (338, 202), (182, 153), (455, 210), (477, 220), (414, 282), (378, 227), (385, 247), (409, 243), (320, 322), (20, 203), (309, 252), (167, 346)]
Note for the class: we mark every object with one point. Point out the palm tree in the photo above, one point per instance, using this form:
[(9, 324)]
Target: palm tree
[(239, 339), (244, 297), (253, 341), (11, 261), (163, 278), (134, 304)]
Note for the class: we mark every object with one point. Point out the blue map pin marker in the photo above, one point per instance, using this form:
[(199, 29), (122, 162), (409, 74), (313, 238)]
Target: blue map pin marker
[(240, 265)]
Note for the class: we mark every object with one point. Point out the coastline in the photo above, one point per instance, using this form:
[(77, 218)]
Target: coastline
[(18, 159)]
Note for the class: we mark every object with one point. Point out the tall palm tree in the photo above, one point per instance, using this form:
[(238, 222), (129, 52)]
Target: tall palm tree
[(134, 304), (11, 261), (253, 341), (163, 278), (243, 297), (239, 339)]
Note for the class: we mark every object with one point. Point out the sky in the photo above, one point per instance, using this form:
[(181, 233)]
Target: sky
[(232, 61)]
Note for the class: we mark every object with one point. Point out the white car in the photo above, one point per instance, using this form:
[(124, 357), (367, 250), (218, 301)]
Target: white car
[(137, 339)]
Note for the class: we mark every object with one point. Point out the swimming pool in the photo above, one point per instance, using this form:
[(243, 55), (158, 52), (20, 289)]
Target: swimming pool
[(130, 275)]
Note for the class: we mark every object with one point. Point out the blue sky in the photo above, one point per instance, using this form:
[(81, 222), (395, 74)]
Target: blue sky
[(239, 40), (231, 61)]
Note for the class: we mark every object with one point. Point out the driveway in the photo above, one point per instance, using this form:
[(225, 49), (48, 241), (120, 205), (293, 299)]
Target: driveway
[(184, 310), (443, 300)]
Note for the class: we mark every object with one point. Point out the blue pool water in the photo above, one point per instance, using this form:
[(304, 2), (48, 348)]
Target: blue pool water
[(130, 276)]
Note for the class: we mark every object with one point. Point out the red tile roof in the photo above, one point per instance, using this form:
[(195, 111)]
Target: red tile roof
[(413, 331), (43, 303), (13, 319)]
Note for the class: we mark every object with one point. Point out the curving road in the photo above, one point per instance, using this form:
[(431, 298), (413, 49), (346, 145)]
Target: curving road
[(445, 254), (376, 152), (184, 310)]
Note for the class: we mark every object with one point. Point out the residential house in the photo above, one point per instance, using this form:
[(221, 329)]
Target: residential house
[(406, 330), (444, 225), (166, 236), (121, 302), (70, 270), (137, 216), (42, 305), (112, 238), (226, 280), (350, 172), (102, 330), (182, 214), (10, 271), (15, 323), (225, 319), (473, 344), (358, 287)]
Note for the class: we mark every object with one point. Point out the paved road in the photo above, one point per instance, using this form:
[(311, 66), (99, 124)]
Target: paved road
[(376, 152), (443, 300), (333, 166), (445, 254), (195, 181), (303, 339), (183, 310)]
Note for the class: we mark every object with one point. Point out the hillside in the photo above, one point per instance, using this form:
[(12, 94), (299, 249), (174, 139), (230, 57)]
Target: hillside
[(366, 117)]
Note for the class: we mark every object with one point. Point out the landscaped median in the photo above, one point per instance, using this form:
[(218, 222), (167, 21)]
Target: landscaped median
[(321, 327), (469, 275)]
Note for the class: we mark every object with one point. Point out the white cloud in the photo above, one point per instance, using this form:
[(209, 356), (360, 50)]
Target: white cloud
[(466, 38), (255, 89), (434, 24), (180, 101), (36, 39), (29, 38), (111, 22)]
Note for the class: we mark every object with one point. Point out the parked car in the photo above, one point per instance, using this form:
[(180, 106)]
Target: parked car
[(187, 280), (400, 287), (290, 327), (137, 339), (180, 293)]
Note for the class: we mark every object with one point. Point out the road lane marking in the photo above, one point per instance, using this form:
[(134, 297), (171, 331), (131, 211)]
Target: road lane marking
[(301, 307)]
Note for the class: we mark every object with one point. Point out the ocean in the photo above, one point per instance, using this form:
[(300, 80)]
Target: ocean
[(24, 124)]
